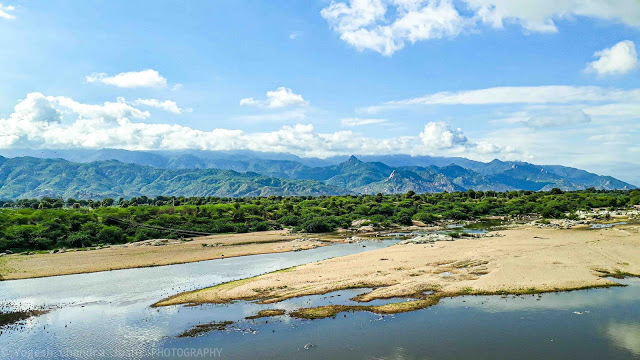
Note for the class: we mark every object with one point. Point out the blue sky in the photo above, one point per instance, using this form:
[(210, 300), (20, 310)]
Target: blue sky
[(541, 81)]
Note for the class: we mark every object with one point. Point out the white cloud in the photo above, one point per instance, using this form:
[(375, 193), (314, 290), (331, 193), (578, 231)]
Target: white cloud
[(539, 15), (362, 23), (41, 121), (386, 26), (438, 135), (558, 94), (5, 12), (621, 58), (295, 35), (167, 105), (618, 110), (279, 116), (610, 139), (279, 98), (549, 117), (145, 78), (361, 121)]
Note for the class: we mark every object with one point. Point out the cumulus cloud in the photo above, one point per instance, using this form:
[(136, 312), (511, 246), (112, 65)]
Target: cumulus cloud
[(166, 105), (438, 135), (363, 23), (386, 26), (552, 94), (621, 58), (279, 98), (360, 121), (146, 78), (40, 121), (5, 11)]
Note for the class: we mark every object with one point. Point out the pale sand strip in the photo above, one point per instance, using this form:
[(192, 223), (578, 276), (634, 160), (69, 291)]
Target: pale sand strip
[(525, 260), (132, 256)]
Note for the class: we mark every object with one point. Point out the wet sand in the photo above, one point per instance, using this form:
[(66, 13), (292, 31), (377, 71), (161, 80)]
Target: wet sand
[(524, 260), (144, 254)]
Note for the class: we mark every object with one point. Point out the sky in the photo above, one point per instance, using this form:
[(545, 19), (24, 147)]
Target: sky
[(543, 81)]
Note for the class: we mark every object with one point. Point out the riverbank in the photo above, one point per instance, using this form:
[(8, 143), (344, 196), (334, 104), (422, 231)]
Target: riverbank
[(524, 260), (155, 253)]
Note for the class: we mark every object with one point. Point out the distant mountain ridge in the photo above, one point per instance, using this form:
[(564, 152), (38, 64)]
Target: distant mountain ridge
[(115, 173), (28, 177)]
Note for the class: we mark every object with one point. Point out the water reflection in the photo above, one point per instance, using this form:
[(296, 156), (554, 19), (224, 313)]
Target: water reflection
[(625, 335), (110, 313)]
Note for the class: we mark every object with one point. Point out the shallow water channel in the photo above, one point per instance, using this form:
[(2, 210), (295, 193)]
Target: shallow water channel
[(108, 315)]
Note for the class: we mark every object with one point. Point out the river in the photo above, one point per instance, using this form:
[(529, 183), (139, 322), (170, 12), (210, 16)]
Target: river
[(108, 315)]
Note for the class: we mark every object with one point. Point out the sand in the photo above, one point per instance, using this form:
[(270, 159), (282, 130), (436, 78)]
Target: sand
[(144, 255), (524, 260)]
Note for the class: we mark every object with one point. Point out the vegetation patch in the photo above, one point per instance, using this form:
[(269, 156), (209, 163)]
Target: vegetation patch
[(205, 328), (422, 301), (54, 223), (400, 307), (266, 313), (10, 318), (616, 273), (322, 312)]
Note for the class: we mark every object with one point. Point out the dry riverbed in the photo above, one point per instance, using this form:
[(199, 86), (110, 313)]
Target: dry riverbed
[(154, 253), (525, 260)]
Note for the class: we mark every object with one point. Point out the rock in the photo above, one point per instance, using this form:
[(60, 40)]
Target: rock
[(8, 252), (366, 229), (426, 239), (358, 223), (354, 239), (492, 234)]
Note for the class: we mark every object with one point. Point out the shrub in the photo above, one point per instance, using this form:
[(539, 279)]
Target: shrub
[(111, 235), (146, 234), (425, 217), (78, 240), (319, 225), (289, 220)]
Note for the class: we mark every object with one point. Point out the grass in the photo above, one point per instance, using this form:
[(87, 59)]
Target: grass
[(616, 273), (4, 266), (400, 307), (205, 328), (326, 311), (423, 301), (322, 312), (266, 313)]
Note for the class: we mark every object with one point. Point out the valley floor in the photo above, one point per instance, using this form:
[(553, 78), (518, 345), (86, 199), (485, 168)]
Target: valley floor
[(153, 253), (524, 260)]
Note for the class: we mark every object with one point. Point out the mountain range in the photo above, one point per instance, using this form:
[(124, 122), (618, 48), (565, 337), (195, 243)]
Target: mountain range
[(92, 174)]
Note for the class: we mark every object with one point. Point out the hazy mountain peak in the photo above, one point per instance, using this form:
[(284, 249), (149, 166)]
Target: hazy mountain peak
[(353, 160)]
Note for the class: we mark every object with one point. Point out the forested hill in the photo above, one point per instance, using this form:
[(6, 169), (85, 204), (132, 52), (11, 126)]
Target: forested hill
[(27, 177)]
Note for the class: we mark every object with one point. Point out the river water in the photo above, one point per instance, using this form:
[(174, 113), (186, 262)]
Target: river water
[(108, 315)]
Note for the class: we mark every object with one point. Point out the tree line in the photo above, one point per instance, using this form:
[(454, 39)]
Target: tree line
[(53, 223)]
